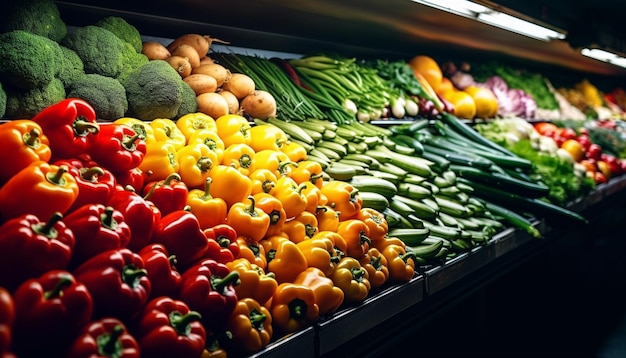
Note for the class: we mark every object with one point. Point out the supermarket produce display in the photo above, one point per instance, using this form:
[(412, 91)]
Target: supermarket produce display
[(175, 197)]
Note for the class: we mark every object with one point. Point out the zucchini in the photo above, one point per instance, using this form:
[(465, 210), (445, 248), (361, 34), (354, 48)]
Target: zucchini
[(502, 181), (410, 237), (470, 133), (458, 158), (397, 221), (374, 201), (414, 191), (373, 184), (408, 141), (513, 218), (420, 209)]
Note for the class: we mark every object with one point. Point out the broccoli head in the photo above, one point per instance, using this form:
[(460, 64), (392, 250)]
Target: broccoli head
[(190, 103), (28, 60), (105, 94), (71, 66), (100, 50), (41, 17), (153, 91), (3, 101), (122, 29), (27, 103)]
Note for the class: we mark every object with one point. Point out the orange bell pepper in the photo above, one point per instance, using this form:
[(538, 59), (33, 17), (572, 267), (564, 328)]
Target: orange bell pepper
[(274, 208), (352, 279), (229, 184), (275, 161), (343, 197), (375, 263), (320, 252), (400, 263), (248, 220), (389, 240), (356, 234), (308, 171), (293, 307), (196, 161), (252, 251), (314, 197), (302, 227), (295, 151), (284, 258), (241, 156), (40, 189), (376, 222), (166, 130), (254, 283), (327, 218), (263, 180), (267, 136), (290, 194), (160, 160), (211, 140), (339, 243), (250, 324), (327, 296), (210, 210), (233, 129), (142, 128), (22, 142), (191, 123)]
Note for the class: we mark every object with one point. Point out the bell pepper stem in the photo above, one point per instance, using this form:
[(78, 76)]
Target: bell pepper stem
[(282, 167), (182, 322), (267, 186), (297, 308), (407, 256), (108, 343), (364, 239), (257, 319), (129, 142), (83, 128), (358, 273), (131, 275), (106, 218), (47, 229), (166, 181), (91, 174), (64, 281), (219, 284), (57, 177), (205, 164), (31, 138)]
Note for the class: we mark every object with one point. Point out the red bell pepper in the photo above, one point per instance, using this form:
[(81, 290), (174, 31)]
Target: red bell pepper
[(118, 148), (169, 194), (97, 228), (118, 282), (222, 243), (22, 142), (135, 177), (106, 337), (7, 317), (139, 214), (162, 271), (51, 310), (70, 126), (29, 247), (95, 184), (180, 233), (208, 287), (168, 328)]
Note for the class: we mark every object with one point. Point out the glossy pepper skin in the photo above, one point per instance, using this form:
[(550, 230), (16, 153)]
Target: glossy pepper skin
[(320, 253), (7, 317), (290, 194), (327, 218), (105, 337), (339, 243), (192, 123), (30, 247), (252, 251), (295, 151), (375, 263), (240, 156), (302, 227), (248, 220), (23, 142), (275, 161), (166, 327), (263, 180), (97, 228), (165, 130), (314, 197), (70, 126), (95, 184), (352, 279), (162, 271), (168, 195), (251, 326), (196, 161), (181, 224), (208, 287), (343, 198), (52, 308), (222, 243), (139, 214), (284, 258), (254, 281), (274, 208), (293, 307), (233, 129), (229, 184), (210, 139), (118, 148), (118, 282), (43, 190), (356, 233), (327, 296), (308, 171), (376, 222), (267, 137), (210, 210), (142, 128), (400, 263), (160, 160)]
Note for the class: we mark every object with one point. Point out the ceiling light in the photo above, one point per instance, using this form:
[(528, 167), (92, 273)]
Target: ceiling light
[(605, 56), (494, 17)]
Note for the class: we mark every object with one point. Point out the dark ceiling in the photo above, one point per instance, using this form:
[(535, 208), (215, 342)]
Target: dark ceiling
[(376, 28)]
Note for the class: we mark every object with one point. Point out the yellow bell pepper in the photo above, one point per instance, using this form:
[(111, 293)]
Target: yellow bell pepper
[(284, 258), (314, 197), (229, 184), (293, 307), (308, 171), (327, 296), (142, 128), (376, 222), (196, 161), (263, 180), (302, 227), (274, 208), (295, 151), (248, 220), (339, 243), (233, 129), (209, 210), (241, 156), (320, 252), (267, 136), (254, 283), (165, 130), (275, 161), (290, 194), (327, 218), (160, 160), (343, 197), (250, 325), (375, 263), (211, 140), (252, 251), (352, 279), (356, 233), (192, 123), (400, 263)]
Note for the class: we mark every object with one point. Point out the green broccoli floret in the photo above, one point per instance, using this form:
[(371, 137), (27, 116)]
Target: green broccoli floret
[(131, 63), (105, 94), (41, 17), (27, 103), (28, 60), (122, 29), (71, 67), (3, 101), (100, 50), (190, 103), (154, 91)]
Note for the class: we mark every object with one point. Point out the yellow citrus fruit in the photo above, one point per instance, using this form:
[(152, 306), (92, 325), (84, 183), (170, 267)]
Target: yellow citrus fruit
[(486, 102), (427, 67), (464, 106)]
